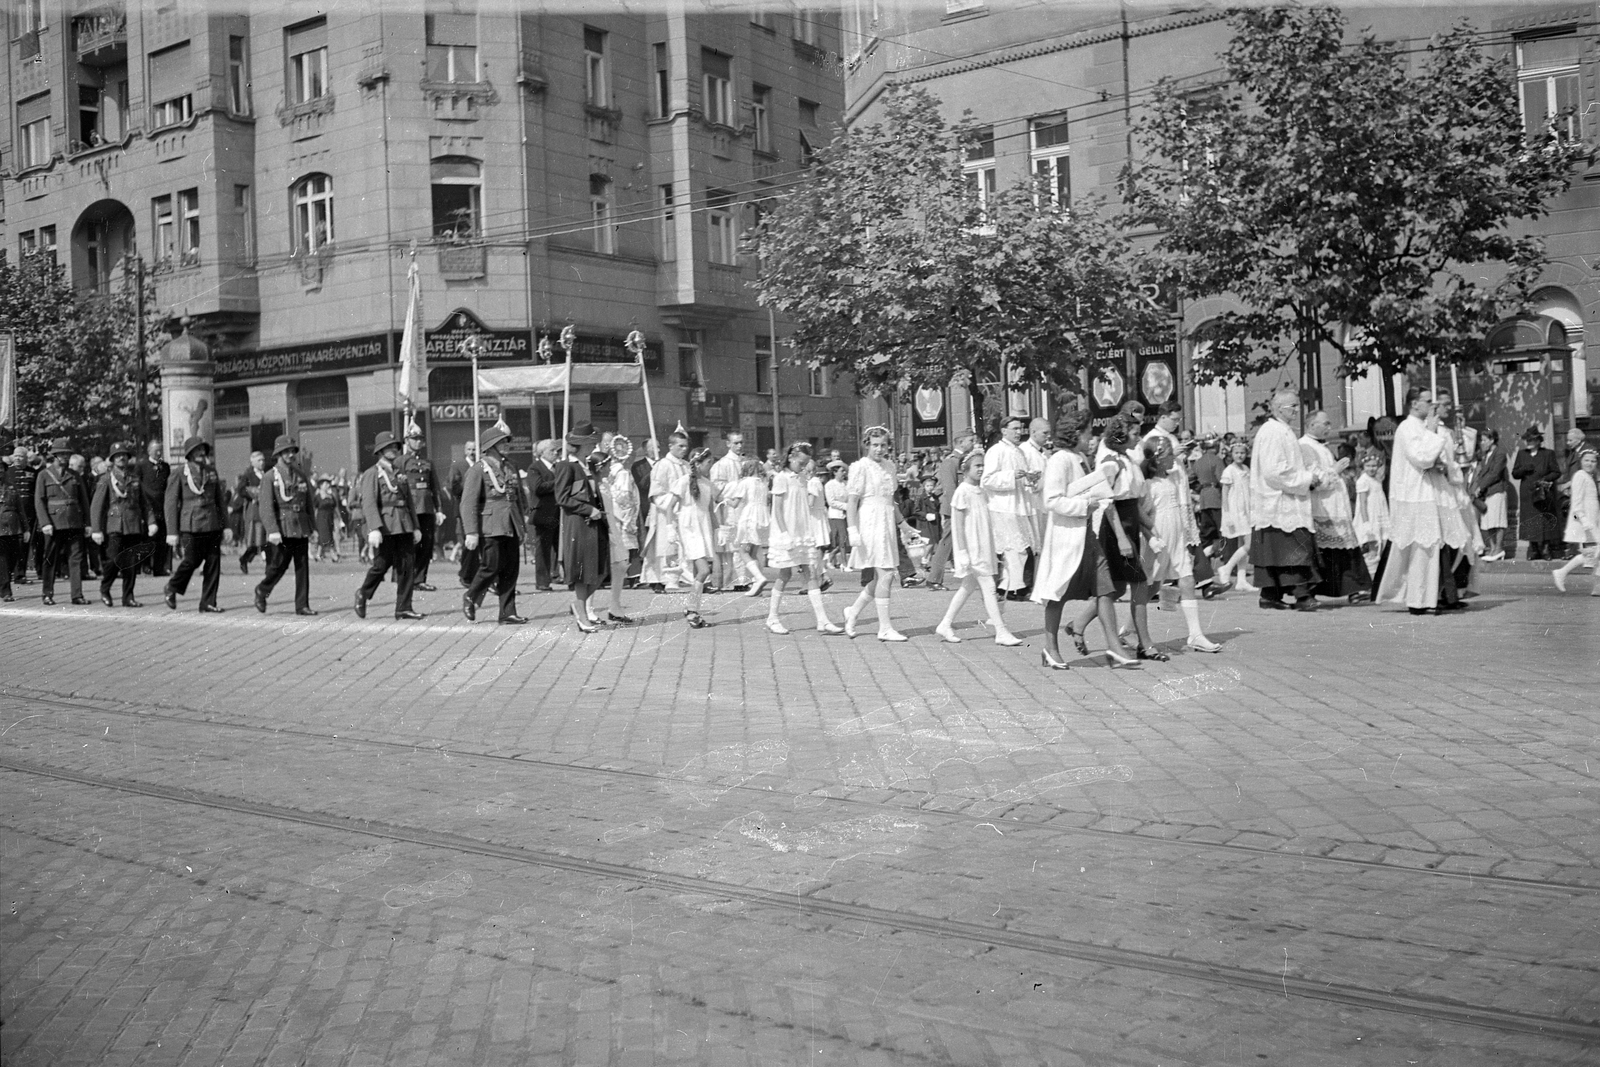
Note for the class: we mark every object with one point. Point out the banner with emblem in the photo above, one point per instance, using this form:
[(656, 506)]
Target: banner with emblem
[(1158, 374), (8, 381), (930, 419)]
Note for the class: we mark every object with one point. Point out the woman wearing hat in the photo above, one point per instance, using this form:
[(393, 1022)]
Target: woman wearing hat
[(196, 516), (584, 530), (285, 510), (119, 523), (1538, 503), (391, 526)]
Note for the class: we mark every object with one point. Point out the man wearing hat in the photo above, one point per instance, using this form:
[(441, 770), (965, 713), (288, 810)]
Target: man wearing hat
[(426, 499), (285, 508), (119, 522), (153, 473), (1538, 502), (391, 527), (196, 517), (251, 534), (493, 506), (16, 495), (61, 507)]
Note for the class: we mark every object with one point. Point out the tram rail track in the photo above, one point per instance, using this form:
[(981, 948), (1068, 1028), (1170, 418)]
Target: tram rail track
[(1438, 1009), (531, 763)]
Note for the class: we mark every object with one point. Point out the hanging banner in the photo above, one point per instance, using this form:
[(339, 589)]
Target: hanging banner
[(288, 362), (1108, 391), (1158, 374), (930, 419)]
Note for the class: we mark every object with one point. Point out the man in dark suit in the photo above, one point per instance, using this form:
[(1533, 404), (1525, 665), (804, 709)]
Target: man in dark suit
[(119, 521), (492, 510), (16, 519), (458, 481), (544, 516), (153, 472), (285, 507), (250, 535), (61, 508), (426, 499), (196, 516), (391, 527)]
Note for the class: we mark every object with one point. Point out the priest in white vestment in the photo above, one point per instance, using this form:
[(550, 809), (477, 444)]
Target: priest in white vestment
[(1283, 546), (1424, 517), (659, 553), (1011, 484)]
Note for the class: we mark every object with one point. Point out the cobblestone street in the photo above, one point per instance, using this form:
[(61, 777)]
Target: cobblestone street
[(1351, 837)]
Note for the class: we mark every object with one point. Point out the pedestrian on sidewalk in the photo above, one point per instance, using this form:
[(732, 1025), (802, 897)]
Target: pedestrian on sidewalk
[(1583, 522), (197, 515), (285, 509), (973, 553), (1538, 500), (797, 536), (1491, 488)]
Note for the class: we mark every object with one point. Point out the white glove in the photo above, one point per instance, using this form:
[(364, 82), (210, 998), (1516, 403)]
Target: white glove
[(172, 540), (47, 530), (1156, 544), (472, 542), (152, 529), (375, 538), (274, 539), (438, 517), (98, 538), (855, 534), (416, 535)]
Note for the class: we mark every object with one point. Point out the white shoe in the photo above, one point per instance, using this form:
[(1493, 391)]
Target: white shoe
[(947, 634), (755, 590), (892, 635), (1010, 640), (1203, 644), (1492, 557), (1560, 580), (850, 616), (829, 628), (776, 627)]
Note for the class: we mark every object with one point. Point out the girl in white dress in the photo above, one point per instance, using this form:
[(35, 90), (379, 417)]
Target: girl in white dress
[(1371, 516), (697, 530), (1166, 553), (972, 552), (874, 530), (746, 501), (1236, 516), (796, 538), (620, 495), (1583, 524)]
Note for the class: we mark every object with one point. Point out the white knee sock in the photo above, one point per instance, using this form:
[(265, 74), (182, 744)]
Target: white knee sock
[(773, 606), (882, 604), (1191, 615), (815, 596)]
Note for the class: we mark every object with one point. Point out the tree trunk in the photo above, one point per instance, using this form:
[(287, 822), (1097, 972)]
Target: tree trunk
[(975, 398)]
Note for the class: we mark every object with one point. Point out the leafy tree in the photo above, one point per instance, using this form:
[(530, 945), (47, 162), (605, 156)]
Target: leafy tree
[(1347, 201), (891, 268), (77, 354)]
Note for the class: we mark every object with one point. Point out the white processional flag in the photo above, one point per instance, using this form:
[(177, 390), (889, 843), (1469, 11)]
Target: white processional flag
[(412, 368)]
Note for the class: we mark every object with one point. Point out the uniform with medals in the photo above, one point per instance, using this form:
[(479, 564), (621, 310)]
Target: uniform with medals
[(16, 520), (385, 498), (61, 504), (426, 502), (119, 522), (493, 511), (196, 517), (285, 509)]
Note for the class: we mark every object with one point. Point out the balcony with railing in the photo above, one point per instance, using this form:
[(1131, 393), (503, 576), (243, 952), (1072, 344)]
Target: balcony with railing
[(101, 38)]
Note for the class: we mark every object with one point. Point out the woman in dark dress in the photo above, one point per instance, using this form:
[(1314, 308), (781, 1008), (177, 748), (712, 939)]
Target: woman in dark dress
[(1539, 514), (584, 532)]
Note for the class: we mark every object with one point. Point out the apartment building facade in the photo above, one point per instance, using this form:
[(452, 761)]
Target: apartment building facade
[(278, 167), (1054, 91)]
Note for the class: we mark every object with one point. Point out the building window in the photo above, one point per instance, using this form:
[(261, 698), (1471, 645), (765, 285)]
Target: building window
[(1547, 83), (761, 116), (457, 198), (244, 211), (764, 357), (97, 253), (669, 223), (979, 165), (596, 85), (718, 87), (88, 116), (313, 213), (807, 25), (165, 230), (27, 243), (169, 89), (663, 81), (33, 127), (808, 121), (719, 218), (1052, 167), (307, 46), (600, 214), (189, 218), (32, 15), (238, 76), (47, 241), (690, 373), (820, 382), (452, 47)]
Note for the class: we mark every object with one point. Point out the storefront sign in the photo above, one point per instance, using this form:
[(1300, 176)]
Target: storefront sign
[(717, 411), (488, 411), (298, 361), (443, 345), (598, 348), (930, 419)]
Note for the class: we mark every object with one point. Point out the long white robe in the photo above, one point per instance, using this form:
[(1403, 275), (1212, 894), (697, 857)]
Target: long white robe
[(1010, 499), (1280, 480), (660, 549), (1419, 513)]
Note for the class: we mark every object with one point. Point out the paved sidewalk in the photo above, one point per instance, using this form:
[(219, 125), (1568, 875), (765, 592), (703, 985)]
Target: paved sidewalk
[(269, 839)]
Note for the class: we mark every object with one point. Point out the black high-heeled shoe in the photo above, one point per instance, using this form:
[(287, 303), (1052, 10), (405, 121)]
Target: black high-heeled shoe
[(1078, 641), (1154, 654), (1052, 664)]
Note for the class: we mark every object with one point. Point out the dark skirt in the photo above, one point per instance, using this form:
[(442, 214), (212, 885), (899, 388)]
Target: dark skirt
[(1283, 548), (587, 546), (1123, 571), (1093, 576), (1344, 572)]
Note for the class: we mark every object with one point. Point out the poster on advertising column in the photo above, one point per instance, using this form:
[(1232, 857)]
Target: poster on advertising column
[(1158, 374), (930, 419), (1108, 391)]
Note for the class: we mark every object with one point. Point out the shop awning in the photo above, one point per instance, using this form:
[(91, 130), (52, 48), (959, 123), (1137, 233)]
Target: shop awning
[(552, 378)]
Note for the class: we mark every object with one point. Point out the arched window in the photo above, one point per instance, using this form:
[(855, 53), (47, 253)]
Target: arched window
[(312, 211), (457, 197)]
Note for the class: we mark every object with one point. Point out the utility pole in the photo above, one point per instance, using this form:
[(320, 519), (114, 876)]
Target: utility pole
[(138, 315)]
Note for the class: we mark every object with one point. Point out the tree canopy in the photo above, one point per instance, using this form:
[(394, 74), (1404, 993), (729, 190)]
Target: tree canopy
[(77, 354), (1346, 199), (893, 268)]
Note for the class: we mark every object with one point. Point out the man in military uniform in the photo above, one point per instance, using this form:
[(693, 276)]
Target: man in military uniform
[(16, 506), (391, 527), (153, 472), (426, 500), (285, 508), (493, 506), (458, 482), (196, 517), (61, 507), (119, 522)]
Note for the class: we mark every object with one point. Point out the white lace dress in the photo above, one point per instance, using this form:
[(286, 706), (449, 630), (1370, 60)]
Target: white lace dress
[(872, 483)]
